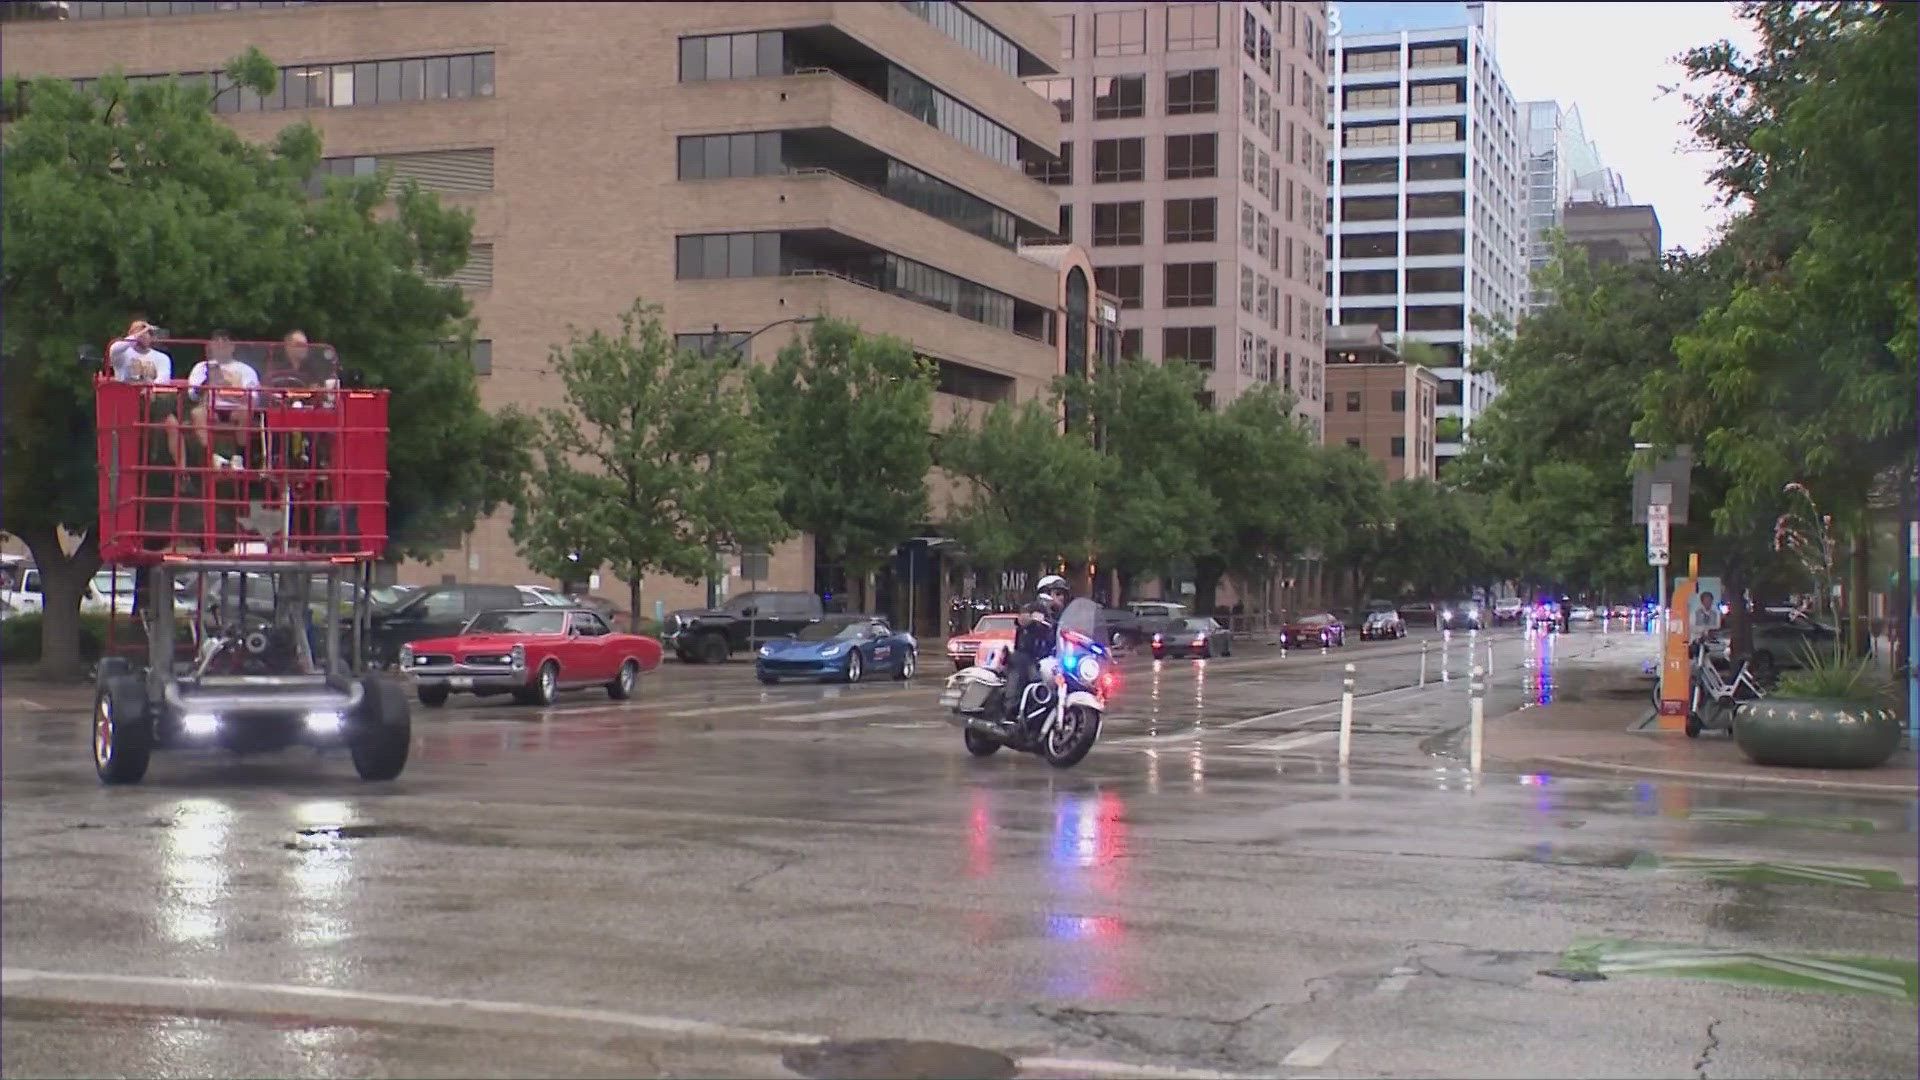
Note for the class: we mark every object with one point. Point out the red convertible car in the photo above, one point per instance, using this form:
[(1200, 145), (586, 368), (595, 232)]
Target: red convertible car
[(531, 653)]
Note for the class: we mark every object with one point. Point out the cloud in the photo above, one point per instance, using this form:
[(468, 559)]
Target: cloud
[(1613, 61)]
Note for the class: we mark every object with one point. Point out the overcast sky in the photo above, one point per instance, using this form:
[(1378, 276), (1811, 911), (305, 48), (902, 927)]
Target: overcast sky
[(1611, 59)]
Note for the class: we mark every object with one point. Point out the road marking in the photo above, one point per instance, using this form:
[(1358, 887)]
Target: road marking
[(1313, 1052), (1289, 742), (17, 978), (1882, 978), (1395, 982), (30, 704), (1755, 871), (1375, 696), (841, 714), (1155, 740)]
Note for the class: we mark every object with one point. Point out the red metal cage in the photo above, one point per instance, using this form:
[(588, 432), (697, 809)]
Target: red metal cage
[(292, 469)]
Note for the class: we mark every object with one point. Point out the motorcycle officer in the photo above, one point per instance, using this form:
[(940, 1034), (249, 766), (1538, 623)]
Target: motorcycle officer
[(1034, 639)]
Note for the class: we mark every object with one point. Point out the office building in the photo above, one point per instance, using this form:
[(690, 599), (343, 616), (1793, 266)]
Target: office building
[(1563, 167), (1379, 404), (1426, 233), (1192, 166), (1613, 234), (741, 164)]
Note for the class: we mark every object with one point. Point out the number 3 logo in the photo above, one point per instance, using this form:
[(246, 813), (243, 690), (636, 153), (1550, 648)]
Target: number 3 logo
[(1334, 22)]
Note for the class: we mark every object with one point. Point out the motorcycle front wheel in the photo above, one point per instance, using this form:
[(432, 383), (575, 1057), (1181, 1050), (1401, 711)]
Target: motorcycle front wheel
[(1072, 738)]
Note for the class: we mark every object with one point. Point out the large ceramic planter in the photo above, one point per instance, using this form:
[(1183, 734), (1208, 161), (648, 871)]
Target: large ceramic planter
[(1816, 734)]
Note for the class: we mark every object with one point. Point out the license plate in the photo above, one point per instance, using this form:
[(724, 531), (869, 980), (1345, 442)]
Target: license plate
[(460, 682)]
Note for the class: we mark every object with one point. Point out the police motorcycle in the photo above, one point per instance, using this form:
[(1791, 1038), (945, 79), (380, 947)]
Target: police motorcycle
[(1062, 708)]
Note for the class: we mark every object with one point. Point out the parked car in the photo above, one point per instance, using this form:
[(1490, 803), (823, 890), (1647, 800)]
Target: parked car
[(1195, 636), (1581, 613), (541, 596), (1313, 630), (1508, 611), (1785, 644), (843, 648), (437, 611), (1461, 614), (1383, 626), (740, 624), (532, 653), (962, 648)]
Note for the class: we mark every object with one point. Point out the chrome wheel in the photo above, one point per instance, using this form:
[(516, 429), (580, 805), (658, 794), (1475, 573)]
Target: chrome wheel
[(549, 682), (626, 678), (102, 733), (853, 666), (907, 666)]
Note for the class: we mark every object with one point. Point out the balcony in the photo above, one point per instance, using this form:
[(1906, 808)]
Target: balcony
[(817, 200), (821, 99)]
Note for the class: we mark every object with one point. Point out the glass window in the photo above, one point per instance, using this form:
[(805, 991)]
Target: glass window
[(1369, 207), (1192, 156), (1118, 224), (1048, 169), (1193, 92), (1373, 170), (1246, 289), (1436, 279), (1193, 26), (387, 79), (366, 84), (719, 50), (1353, 404), (483, 75), (1437, 167), (1374, 97), (1191, 221), (1190, 285), (1119, 33), (1123, 282), (1387, 134), (1397, 446), (1432, 131), (1437, 204), (1398, 400), (1065, 23), (1425, 56), (1119, 97), (1193, 344), (1119, 160), (1249, 163), (1387, 59), (1059, 91), (413, 78), (1369, 245), (1249, 98), (1440, 93), (718, 160), (460, 76), (342, 85)]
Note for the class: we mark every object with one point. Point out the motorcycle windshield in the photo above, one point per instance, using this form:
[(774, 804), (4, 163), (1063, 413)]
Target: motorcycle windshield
[(1079, 617)]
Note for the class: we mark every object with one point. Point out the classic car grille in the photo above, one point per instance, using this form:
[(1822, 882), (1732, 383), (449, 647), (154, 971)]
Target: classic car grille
[(503, 660), (431, 659)]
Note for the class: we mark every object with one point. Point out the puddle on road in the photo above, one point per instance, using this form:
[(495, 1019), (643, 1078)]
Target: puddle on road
[(1551, 854), (321, 838), (898, 1059)]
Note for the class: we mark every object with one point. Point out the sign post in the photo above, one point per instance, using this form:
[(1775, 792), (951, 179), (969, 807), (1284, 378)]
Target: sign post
[(1659, 517)]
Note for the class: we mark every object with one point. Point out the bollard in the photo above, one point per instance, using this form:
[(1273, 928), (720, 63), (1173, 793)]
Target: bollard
[(1423, 663), (1489, 661), (1346, 716), (1476, 719)]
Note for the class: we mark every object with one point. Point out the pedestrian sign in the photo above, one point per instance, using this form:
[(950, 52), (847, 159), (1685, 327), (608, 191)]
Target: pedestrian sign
[(1659, 518)]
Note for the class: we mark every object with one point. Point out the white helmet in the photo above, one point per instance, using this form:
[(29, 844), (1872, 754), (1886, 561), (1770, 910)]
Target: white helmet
[(1051, 582)]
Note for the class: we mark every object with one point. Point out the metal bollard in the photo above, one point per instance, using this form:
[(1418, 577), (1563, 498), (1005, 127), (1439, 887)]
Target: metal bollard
[(1346, 716), (1423, 663), (1476, 718)]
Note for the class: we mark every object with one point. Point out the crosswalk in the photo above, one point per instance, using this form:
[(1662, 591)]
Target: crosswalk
[(1880, 978)]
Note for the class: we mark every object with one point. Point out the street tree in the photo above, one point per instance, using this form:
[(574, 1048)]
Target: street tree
[(1261, 473), (655, 460), (1027, 493), (850, 418), (1155, 507), (1355, 528), (122, 199), (1430, 547)]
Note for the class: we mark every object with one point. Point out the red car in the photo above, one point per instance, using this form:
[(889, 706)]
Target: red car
[(531, 653), (1316, 630), (962, 648)]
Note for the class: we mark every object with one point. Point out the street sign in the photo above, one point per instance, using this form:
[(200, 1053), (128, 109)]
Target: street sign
[(1658, 517)]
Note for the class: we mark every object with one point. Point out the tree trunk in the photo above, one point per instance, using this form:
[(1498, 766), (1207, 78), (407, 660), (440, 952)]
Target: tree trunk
[(633, 605), (1858, 636), (1206, 584), (63, 581)]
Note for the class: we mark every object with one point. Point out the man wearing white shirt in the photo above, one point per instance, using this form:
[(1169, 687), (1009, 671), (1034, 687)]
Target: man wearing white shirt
[(222, 389), (134, 359)]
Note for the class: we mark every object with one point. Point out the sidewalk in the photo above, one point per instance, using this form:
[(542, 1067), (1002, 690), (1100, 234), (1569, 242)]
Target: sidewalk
[(1590, 731), (24, 693)]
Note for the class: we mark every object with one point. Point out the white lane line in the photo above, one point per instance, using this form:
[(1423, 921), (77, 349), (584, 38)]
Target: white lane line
[(14, 978), (30, 704), (1290, 742), (1395, 982), (1313, 1052), (1155, 740), (840, 714), (1248, 721)]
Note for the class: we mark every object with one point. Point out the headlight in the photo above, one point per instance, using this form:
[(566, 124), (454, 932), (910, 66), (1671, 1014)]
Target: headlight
[(766, 650), (1446, 614), (406, 656), (835, 650), (519, 656), (1089, 669)]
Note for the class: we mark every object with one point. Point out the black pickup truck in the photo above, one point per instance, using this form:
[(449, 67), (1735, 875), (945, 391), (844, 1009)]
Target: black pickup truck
[(740, 624)]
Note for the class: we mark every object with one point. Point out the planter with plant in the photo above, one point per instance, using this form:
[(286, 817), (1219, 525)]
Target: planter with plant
[(1836, 711)]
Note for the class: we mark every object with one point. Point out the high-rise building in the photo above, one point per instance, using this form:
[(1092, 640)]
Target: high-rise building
[(1613, 234), (1192, 165), (1563, 167), (741, 164), (1425, 227)]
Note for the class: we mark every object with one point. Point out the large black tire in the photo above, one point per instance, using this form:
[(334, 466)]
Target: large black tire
[(379, 742), (433, 696), (543, 689), (122, 729), (621, 688), (714, 649), (1068, 754), (909, 664), (856, 667), (979, 745)]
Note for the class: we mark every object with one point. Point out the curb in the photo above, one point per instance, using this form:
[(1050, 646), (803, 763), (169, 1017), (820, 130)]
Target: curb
[(1710, 779)]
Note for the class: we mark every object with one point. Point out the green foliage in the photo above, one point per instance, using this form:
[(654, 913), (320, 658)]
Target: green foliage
[(1431, 548), (126, 199), (1833, 676), (1421, 353), (20, 637), (849, 417), (1261, 469), (1029, 493), (1805, 369), (1154, 507), (654, 462)]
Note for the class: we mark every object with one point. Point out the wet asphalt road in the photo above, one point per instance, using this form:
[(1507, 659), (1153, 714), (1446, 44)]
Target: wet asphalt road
[(716, 876)]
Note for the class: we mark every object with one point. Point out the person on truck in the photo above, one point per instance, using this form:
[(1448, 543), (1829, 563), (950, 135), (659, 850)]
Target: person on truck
[(133, 359), (222, 388)]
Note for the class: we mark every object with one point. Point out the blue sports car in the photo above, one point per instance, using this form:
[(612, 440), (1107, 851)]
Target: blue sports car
[(845, 648)]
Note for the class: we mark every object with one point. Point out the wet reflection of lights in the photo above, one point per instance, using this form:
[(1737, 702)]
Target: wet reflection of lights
[(1539, 780), (194, 862), (323, 813), (1089, 846), (1082, 927), (1197, 768), (1199, 684), (980, 836), (1153, 771), (321, 878)]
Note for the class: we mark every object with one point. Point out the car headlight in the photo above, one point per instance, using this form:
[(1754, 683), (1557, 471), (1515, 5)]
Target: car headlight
[(766, 650), (519, 656), (406, 656), (835, 650)]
